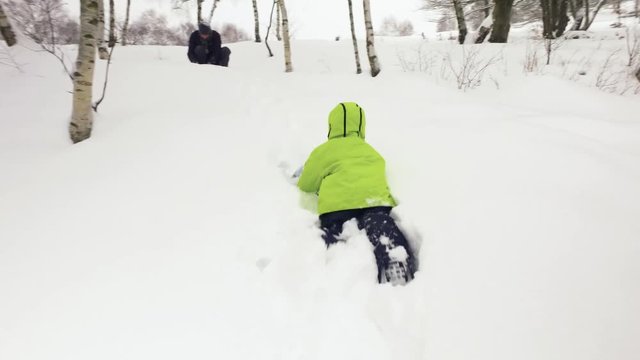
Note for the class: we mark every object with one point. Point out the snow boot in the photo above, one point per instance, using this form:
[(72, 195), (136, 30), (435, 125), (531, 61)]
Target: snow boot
[(394, 264), (391, 249)]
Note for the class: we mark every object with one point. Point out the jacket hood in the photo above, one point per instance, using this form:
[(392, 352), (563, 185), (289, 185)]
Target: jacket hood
[(347, 119)]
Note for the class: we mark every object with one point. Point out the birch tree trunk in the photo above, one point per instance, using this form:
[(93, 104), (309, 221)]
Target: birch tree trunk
[(554, 18), (586, 14), (484, 29), (590, 17), (501, 21), (285, 35), (257, 21), (355, 40), (213, 9), (371, 49), (547, 32), (581, 13), (278, 24), (562, 20), (574, 9), (462, 23), (112, 24), (102, 50), (82, 115), (125, 28), (5, 28)]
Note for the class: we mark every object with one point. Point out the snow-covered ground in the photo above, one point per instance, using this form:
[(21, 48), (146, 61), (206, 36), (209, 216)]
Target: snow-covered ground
[(173, 233)]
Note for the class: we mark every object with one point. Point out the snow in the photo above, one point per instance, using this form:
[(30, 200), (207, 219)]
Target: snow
[(174, 232), (398, 254)]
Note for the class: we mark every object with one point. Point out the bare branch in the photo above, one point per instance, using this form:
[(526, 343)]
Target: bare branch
[(606, 80), (470, 71), (266, 38), (633, 46), (106, 81)]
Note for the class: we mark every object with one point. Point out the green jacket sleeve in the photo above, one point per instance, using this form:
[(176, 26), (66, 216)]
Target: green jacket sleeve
[(312, 174)]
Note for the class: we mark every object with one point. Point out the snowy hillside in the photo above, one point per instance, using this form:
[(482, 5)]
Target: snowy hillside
[(173, 233)]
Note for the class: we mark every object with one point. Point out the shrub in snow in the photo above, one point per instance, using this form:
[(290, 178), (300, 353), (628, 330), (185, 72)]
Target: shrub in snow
[(392, 27)]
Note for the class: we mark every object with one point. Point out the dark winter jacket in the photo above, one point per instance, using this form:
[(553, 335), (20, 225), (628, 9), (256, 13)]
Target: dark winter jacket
[(208, 48)]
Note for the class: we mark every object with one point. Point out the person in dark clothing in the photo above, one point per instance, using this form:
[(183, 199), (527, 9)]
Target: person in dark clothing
[(205, 47)]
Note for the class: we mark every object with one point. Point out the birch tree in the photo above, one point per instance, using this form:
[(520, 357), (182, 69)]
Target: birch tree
[(468, 13), (257, 22), (501, 21), (102, 49), (484, 29), (5, 28), (112, 24), (355, 40), (371, 50), (285, 36), (278, 24), (581, 13), (554, 18), (590, 17), (82, 115), (462, 23), (213, 9), (125, 28)]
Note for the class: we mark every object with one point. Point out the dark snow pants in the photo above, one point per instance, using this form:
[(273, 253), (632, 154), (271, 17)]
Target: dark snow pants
[(220, 58), (377, 223)]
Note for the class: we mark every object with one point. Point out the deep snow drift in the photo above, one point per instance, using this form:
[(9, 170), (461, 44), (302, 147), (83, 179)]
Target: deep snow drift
[(174, 233)]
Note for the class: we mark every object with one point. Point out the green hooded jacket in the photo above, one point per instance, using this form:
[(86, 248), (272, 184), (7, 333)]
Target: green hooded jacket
[(346, 172)]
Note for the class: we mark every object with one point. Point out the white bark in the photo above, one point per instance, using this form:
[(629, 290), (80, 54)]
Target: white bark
[(126, 24), (278, 24), (257, 21), (285, 36), (355, 40), (5, 29), (213, 9), (371, 49), (102, 49), (82, 115)]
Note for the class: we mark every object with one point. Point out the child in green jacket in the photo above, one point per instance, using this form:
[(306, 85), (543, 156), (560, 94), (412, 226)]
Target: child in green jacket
[(349, 177)]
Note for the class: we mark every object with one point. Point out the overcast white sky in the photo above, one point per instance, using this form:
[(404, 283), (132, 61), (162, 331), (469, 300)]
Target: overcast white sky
[(307, 18)]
